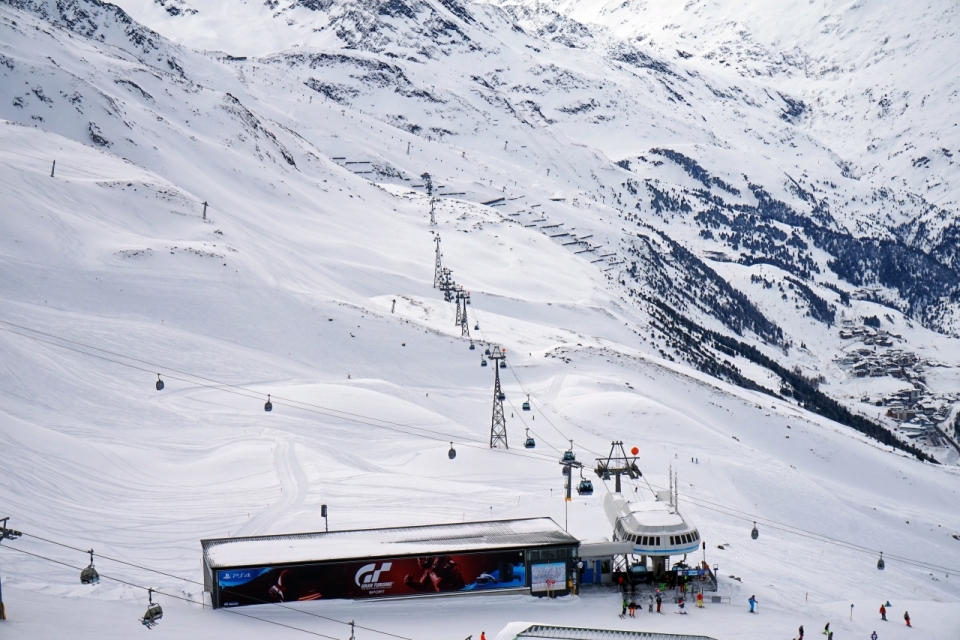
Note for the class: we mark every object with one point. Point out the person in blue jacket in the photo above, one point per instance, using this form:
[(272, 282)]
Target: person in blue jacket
[(753, 603)]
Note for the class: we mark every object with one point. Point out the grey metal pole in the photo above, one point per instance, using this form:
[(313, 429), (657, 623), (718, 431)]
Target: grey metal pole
[(53, 168)]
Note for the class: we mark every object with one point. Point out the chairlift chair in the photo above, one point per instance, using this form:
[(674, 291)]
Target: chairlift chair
[(159, 383), (881, 565), (569, 456), (754, 534), (503, 364), (486, 351), (526, 405), (472, 346), (89, 575), (153, 613), (269, 405), (452, 453), (476, 327), (502, 396), (483, 362), (530, 442)]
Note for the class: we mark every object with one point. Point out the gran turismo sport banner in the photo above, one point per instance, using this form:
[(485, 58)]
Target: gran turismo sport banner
[(367, 579)]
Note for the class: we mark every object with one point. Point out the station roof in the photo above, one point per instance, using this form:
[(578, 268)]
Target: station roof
[(297, 548)]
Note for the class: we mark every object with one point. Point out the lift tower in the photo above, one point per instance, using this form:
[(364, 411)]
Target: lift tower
[(463, 299), (617, 464), (447, 284), (428, 183), (437, 265), (498, 423)]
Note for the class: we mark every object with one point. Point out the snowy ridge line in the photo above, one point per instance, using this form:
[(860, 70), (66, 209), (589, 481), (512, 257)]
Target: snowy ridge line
[(169, 595), (170, 575), (111, 179), (294, 404)]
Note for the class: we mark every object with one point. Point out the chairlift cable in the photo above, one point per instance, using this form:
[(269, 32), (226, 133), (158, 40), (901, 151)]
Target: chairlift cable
[(219, 384), (170, 595), (294, 404), (445, 438), (812, 535)]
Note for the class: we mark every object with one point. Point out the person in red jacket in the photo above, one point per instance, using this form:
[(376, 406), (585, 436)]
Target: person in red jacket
[(883, 612), (906, 618)]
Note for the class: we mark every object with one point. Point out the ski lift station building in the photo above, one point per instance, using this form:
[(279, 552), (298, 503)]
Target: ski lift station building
[(533, 555)]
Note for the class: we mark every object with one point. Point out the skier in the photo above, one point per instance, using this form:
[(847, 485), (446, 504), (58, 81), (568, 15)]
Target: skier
[(826, 629), (801, 633), (699, 601), (633, 609), (906, 618), (883, 612), (659, 601), (483, 635), (680, 603), (650, 605), (623, 611), (873, 636), (753, 604)]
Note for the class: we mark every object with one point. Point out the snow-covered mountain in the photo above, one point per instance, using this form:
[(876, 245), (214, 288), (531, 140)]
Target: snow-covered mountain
[(704, 224)]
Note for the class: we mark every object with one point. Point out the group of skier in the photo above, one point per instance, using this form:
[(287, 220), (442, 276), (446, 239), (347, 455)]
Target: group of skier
[(826, 629), (629, 607)]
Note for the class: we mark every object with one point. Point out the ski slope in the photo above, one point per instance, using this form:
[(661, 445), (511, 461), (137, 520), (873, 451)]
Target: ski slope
[(112, 275)]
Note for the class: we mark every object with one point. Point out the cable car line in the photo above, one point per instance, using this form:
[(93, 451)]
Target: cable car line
[(170, 595), (228, 610), (478, 444), (248, 393), (182, 579), (237, 390), (812, 535), (218, 384)]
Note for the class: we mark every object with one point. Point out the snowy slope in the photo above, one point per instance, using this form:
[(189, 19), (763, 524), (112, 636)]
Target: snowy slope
[(286, 288)]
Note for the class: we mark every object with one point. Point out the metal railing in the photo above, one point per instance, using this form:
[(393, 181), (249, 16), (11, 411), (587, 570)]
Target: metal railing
[(579, 633)]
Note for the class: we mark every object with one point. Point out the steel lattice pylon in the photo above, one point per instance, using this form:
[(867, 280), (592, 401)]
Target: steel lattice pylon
[(460, 312), (498, 423), (438, 266), (463, 298)]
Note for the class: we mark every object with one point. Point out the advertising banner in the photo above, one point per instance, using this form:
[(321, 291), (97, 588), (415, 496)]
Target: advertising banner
[(366, 579), (549, 576)]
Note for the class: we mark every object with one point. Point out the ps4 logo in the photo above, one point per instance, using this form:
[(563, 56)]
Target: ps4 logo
[(234, 576), (369, 574)]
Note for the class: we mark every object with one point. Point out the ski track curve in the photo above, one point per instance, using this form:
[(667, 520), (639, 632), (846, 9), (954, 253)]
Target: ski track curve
[(293, 483)]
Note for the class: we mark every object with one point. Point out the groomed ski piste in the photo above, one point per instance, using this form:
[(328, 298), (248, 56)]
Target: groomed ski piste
[(314, 284)]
